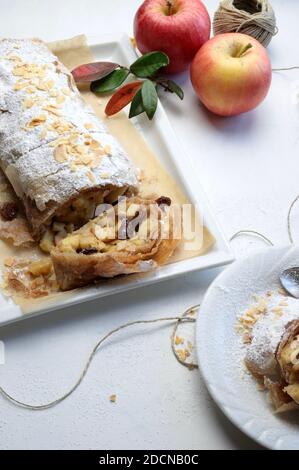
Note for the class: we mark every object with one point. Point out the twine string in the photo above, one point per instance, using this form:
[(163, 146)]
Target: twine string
[(293, 67), (289, 228), (253, 233), (190, 365), (244, 17), (184, 318), (266, 239)]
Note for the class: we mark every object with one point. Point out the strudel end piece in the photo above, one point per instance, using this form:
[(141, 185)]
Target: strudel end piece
[(134, 236), (273, 351)]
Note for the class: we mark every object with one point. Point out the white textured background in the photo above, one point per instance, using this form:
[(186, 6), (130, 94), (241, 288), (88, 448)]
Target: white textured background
[(249, 168)]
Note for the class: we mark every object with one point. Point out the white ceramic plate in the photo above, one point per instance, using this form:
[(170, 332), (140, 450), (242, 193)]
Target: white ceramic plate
[(220, 353), (160, 137)]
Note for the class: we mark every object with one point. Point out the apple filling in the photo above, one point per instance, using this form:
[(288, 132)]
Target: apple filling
[(134, 236), (76, 214), (29, 278), (288, 359), (132, 230), (126, 238)]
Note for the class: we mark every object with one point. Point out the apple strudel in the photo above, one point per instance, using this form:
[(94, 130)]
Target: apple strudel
[(59, 158)]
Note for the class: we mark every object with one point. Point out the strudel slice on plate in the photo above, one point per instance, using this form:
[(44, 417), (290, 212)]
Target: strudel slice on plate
[(134, 236), (273, 348)]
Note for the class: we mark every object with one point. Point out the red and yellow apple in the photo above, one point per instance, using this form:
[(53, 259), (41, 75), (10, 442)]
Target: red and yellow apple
[(177, 27), (231, 74)]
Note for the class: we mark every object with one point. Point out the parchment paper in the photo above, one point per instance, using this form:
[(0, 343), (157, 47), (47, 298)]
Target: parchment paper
[(75, 51)]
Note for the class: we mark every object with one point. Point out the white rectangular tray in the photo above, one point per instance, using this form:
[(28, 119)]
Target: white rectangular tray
[(161, 138)]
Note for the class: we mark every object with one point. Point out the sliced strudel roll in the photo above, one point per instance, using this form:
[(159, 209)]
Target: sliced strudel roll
[(273, 351), (134, 236), (59, 158), (14, 227)]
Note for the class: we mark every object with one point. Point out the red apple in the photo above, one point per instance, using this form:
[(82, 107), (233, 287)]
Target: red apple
[(177, 27), (231, 74)]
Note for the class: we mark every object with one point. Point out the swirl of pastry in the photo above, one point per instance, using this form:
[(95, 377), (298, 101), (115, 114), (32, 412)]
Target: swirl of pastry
[(287, 356), (134, 236)]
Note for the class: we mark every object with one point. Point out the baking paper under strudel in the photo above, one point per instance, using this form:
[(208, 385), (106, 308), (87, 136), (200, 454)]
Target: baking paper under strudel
[(53, 148)]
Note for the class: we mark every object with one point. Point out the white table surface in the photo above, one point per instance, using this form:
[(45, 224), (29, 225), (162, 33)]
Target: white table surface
[(248, 166)]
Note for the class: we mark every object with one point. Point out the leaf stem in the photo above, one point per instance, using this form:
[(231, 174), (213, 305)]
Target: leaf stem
[(161, 82)]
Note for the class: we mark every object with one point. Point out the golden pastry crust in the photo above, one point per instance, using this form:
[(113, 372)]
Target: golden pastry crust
[(137, 242)]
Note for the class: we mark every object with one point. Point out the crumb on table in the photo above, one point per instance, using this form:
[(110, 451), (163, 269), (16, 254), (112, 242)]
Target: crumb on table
[(112, 398)]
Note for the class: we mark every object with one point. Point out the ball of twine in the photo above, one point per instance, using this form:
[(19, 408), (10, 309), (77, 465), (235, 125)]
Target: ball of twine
[(253, 17)]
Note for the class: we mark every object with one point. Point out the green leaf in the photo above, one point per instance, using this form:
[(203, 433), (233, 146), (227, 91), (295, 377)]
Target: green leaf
[(149, 98), (149, 63), (110, 82), (174, 88), (93, 71), (136, 105)]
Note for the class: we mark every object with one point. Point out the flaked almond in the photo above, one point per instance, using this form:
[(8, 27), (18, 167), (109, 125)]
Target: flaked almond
[(41, 86), (94, 144), (28, 103), (91, 177), (50, 84), (178, 340), (66, 91), (104, 175), (37, 121), (19, 71), (99, 152), (73, 139), (60, 154), (88, 125), (80, 149), (30, 90), (73, 167), (86, 159), (19, 85), (52, 109), (96, 161), (29, 76), (15, 58), (41, 73), (107, 149), (60, 99), (43, 134)]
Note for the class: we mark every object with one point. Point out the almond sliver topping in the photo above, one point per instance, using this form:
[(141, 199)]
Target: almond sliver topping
[(60, 154)]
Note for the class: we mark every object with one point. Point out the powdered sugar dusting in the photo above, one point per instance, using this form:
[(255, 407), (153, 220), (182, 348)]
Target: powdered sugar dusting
[(269, 329), (40, 105)]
